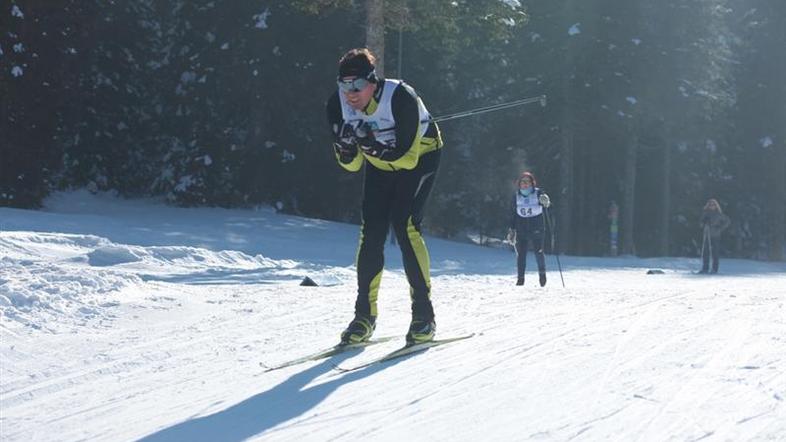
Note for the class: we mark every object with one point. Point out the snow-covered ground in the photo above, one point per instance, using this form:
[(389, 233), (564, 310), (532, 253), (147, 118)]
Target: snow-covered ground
[(124, 320)]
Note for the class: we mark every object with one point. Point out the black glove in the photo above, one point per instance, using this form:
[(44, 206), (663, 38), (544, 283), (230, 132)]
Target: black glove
[(347, 133), (368, 143), (345, 145), (346, 151)]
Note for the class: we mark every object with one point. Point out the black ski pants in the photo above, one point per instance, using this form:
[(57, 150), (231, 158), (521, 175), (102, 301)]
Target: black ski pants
[(396, 198), (530, 229)]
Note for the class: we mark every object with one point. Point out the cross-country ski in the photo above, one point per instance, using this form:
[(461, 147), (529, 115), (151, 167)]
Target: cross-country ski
[(322, 354), (404, 351)]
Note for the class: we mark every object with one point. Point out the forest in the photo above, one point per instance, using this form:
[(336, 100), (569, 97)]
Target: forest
[(653, 107)]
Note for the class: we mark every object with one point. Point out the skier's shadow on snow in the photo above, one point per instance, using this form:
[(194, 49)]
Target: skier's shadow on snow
[(265, 410)]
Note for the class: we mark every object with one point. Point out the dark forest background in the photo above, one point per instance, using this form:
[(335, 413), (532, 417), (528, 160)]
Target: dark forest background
[(654, 105)]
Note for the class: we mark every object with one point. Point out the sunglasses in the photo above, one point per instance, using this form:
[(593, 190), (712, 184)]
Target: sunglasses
[(356, 85)]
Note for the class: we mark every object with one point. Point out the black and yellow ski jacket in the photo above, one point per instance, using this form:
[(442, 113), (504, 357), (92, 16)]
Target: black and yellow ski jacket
[(398, 119)]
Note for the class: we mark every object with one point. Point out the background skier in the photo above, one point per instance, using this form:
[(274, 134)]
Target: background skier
[(713, 223), (527, 224)]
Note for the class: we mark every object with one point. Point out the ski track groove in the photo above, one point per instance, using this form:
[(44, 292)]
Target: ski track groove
[(638, 315), (617, 366), (569, 330), (148, 351), (587, 425), (167, 354), (699, 381)]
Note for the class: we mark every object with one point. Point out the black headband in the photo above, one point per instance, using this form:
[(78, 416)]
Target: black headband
[(358, 67)]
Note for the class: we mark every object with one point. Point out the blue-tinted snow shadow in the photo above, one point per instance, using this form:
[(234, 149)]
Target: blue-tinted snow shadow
[(223, 277), (263, 411), (230, 276)]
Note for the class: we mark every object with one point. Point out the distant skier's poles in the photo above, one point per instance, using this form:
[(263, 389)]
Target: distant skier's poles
[(709, 241), (550, 222), (704, 236)]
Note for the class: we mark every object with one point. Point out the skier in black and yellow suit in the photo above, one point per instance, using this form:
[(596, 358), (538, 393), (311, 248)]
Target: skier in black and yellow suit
[(384, 122)]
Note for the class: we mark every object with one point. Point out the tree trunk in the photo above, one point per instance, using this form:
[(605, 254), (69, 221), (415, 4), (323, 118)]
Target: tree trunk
[(567, 136), (665, 202), (629, 197), (375, 32), (581, 181), (778, 217), (566, 182)]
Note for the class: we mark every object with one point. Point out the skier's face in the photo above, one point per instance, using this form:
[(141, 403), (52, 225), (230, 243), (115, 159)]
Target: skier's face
[(525, 183), (358, 91)]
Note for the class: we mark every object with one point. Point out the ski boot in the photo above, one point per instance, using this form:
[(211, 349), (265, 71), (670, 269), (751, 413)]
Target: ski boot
[(421, 330), (542, 276), (359, 330)]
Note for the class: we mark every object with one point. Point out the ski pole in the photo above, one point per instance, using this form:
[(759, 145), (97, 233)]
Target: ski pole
[(481, 110), (709, 242), (556, 254), (706, 248), (703, 244)]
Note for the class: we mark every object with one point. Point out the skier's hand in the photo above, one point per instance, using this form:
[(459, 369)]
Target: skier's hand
[(544, 200), (346, 151), (364, 135), (511, 236), (346, 135), (377, 150), (368, 142)]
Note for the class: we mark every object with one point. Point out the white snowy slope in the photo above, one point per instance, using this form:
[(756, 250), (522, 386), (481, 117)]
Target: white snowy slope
[(127, 320)]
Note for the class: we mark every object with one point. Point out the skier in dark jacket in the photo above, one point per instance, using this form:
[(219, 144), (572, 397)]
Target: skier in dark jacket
[(527, 224), (713, 223), (383, 123)]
